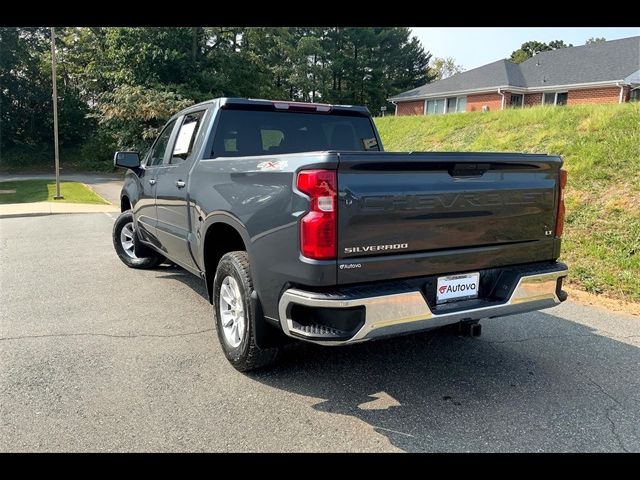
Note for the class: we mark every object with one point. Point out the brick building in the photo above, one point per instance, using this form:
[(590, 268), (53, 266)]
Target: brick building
[(607, 72)]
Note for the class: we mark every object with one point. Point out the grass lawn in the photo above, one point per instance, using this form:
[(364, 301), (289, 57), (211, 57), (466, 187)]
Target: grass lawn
[(600, 146), (27, 191)]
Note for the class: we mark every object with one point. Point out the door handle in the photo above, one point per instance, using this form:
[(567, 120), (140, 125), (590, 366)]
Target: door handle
[(180, 184), (152, 181)]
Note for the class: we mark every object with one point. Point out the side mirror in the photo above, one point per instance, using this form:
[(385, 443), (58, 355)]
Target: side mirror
[(126, 159)]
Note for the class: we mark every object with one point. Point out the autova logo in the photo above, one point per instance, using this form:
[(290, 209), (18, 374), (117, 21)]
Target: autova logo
[(457, 288)]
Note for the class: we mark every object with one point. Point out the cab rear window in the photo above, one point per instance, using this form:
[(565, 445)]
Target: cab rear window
[(247, 133)]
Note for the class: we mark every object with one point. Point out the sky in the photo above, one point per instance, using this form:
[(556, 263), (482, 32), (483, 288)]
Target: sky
[(473, 47)]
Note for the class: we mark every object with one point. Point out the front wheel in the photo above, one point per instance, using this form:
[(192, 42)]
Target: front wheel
[(236, 316), (124, 243)]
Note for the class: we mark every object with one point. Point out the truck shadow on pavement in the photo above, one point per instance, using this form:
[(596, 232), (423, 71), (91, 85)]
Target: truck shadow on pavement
[(556, 386), (170, 271), (532, 382)]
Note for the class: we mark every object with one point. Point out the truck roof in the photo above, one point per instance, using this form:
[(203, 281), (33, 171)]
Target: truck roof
[(223, 101)]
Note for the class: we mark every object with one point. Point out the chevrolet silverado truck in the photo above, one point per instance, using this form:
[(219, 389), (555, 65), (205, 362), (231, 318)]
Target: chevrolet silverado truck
[(302, 227)]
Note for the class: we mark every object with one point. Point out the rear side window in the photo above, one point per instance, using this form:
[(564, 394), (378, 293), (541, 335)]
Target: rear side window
[(183, 147), (249, 133)]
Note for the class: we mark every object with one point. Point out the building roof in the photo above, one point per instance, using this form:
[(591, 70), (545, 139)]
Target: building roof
[(603, 62)]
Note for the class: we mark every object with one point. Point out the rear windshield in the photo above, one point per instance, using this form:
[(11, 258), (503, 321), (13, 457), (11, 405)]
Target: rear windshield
[(245, 133)]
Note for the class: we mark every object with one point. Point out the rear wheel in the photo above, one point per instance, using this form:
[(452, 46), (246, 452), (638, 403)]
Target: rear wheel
[(124, 238), (235, 314)]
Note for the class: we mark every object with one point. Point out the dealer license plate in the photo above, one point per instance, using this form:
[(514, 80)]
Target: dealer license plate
[(457, 287)]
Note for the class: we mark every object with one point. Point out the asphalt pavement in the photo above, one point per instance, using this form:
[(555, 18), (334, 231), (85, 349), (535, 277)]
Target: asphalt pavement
[(98, 357)]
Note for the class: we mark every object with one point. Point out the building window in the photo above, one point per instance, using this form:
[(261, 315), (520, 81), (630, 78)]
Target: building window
[(435, 106), (517, 100), (461, 106), (445, 105), (634, 95), (555, 98), (451, 104), (561, 98)]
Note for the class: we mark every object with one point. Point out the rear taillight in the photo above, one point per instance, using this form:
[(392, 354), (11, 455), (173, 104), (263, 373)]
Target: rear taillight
[(562, 183), (318, 227)]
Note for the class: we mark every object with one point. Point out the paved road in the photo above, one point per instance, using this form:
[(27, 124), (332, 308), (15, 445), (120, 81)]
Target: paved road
[(105, 185), (94, 356)]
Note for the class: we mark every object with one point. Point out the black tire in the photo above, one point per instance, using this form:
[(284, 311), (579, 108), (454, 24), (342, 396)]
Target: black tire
[(150, 261), (247, 355)]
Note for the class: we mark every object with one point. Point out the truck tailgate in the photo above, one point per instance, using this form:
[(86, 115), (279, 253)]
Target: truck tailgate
[(402, 215)]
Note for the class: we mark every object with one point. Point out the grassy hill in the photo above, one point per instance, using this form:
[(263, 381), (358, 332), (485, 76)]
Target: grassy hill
[(600, 145)]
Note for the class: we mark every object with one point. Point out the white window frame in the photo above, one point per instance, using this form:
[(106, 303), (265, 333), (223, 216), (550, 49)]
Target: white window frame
[(521, 99), (446, 100), (435, 99), (465, 107), (555, 96), (444, 108)]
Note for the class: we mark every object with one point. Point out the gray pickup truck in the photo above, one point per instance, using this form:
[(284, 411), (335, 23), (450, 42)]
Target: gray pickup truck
[(303, 228)]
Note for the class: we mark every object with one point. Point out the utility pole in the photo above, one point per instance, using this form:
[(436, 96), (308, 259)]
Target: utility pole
[(57, 196)]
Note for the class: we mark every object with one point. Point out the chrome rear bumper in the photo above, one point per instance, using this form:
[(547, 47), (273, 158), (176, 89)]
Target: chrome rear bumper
[(408, 311)]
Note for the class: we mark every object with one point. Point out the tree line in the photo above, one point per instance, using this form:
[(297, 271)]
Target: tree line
[(533, 47), (118, 85)]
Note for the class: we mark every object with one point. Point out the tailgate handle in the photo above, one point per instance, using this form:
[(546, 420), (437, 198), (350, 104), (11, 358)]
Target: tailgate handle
[(469, 169)]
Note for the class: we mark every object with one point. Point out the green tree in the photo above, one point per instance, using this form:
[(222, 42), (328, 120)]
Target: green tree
[(133, 115), (529, 49), (118, 85), (556, 44), (595, 40), (26, 122), (444, 67), (24, 92), (369, 64)]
